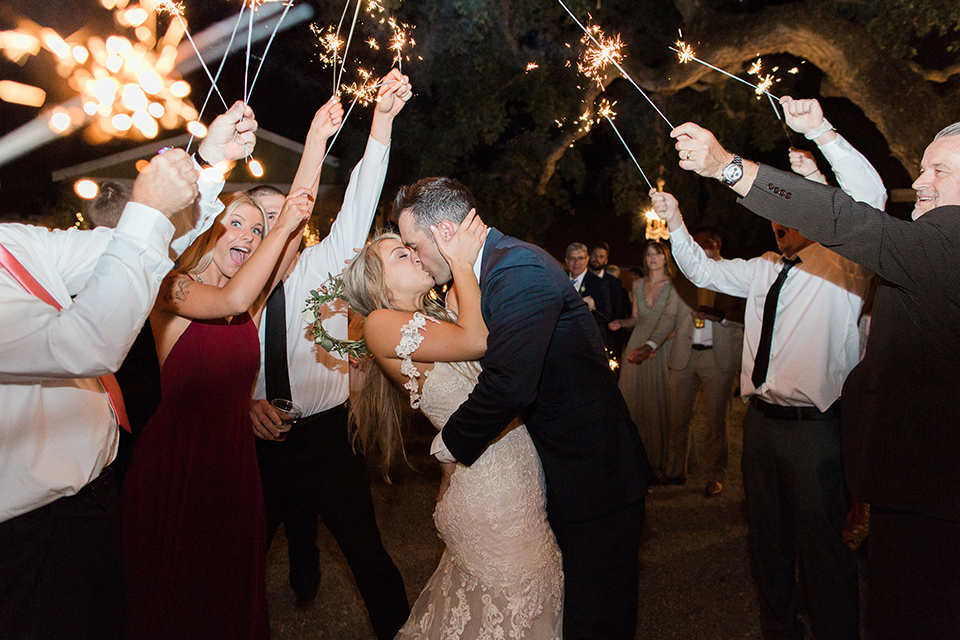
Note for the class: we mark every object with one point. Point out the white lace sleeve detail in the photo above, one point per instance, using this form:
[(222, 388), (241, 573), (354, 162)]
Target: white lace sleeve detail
[(410, 339)]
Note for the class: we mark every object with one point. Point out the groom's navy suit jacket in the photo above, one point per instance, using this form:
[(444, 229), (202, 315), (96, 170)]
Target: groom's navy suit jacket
[(545, 363)]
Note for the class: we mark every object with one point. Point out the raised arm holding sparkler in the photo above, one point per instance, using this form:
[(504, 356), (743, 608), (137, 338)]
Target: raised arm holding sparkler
[(700, 152)]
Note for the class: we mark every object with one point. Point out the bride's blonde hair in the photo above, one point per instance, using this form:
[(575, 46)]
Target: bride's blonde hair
[(376, 413)]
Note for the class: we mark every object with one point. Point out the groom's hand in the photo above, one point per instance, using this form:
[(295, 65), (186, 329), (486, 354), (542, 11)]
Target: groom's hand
[(447, 468)]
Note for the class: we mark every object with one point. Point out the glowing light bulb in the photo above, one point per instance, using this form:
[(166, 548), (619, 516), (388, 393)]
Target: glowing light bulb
[(86, 189), (60, 121), (196, 129)]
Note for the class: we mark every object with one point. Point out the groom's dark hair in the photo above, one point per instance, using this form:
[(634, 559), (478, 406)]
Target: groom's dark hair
[(433, 200)]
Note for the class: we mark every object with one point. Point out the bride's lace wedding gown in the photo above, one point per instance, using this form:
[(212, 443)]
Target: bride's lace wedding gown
[(500, 576)]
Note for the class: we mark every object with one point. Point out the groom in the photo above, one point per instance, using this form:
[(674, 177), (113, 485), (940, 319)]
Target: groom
[(545, 362)]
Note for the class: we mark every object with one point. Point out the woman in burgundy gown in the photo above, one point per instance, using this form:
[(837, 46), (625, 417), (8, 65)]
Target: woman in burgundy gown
[(192, 520)]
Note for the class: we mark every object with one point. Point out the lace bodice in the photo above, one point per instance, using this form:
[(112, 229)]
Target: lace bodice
[(501, 575)]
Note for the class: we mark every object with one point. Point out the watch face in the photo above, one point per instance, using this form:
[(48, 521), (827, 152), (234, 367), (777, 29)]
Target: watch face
[(732, 173)]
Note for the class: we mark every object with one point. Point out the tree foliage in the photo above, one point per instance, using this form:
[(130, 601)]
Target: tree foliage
[(512, 133)]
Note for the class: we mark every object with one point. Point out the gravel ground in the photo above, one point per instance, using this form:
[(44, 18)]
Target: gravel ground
[(695, 578)]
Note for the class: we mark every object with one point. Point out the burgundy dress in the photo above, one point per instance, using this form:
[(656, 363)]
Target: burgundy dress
[(193, 531)]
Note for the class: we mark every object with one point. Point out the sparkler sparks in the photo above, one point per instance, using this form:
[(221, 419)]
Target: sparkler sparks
[(365, 91), (531, 66), (329, 43), (601, 52), (765, 81), (400, 39), (685, 54), (616, 63)]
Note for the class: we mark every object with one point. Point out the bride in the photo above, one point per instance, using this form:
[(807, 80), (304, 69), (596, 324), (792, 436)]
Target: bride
[(501, 575)]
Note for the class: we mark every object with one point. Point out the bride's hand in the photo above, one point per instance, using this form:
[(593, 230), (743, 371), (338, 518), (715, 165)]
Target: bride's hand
[(464, 245)]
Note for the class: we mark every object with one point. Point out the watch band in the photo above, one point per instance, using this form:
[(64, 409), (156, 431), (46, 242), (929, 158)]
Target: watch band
[(200, 160)]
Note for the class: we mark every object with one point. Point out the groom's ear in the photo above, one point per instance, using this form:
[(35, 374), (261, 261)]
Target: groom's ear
[(447, 229)]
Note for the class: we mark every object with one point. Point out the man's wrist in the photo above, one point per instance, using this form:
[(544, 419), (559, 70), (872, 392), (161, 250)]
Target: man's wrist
[(818, 131), (207, 155)]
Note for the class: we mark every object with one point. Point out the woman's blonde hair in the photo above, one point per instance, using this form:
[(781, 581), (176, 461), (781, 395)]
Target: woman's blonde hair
[(376, 413), (199, 255)]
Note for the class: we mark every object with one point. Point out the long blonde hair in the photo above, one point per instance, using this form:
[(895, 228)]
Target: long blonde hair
[(199, 255), (376, 413)]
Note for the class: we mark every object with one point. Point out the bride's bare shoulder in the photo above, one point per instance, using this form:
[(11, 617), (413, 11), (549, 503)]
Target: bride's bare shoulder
[(383, 329)]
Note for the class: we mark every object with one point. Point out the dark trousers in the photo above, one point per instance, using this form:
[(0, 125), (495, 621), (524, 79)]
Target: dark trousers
[(315, 472), (913, 569), (60, 568), (601, 569), (793, 481)]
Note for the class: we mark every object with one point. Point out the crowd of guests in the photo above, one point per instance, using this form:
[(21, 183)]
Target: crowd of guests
[(217, 283)]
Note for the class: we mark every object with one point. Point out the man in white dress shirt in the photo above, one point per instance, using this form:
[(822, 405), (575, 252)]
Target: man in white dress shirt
[(801, 340), (59, 525), (315, 470)]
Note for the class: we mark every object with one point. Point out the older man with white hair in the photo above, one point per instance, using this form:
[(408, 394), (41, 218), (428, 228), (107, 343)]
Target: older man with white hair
[(899, 425)]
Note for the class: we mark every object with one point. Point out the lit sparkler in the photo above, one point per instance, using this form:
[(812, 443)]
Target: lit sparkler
[(616, 63), (365, 92), (400, 39), (606, 110), (329, 43), (601, 52), (685, 54), (531, 66), (766, 81)]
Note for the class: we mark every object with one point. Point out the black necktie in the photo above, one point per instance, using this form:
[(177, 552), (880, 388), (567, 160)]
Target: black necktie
[(275, 347), (762, 362)]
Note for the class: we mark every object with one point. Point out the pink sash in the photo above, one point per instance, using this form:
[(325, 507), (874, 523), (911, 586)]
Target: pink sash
[(31, 285)]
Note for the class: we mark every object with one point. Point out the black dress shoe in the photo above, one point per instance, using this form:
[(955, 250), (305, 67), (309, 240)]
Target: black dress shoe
[(668, 480), (306, 588)]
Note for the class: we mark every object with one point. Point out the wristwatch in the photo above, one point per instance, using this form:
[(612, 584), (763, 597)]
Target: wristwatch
[(732, 172)]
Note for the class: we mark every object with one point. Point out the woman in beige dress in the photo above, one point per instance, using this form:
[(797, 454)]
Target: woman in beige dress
[(643, 371)]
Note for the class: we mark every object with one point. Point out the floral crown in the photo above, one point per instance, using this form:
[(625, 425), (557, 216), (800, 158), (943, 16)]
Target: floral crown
[(332, 289)]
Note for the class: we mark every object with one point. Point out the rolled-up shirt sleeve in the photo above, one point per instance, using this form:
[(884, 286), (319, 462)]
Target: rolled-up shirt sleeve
[(117, 274)]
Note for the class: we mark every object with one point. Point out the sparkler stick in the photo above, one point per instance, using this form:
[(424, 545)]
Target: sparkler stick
[(607, 112), (336, 41), (617, 65), (343, 59), (687, 54), (223, 60), (176, 11), (342, 122), (246, 69), (265, 51)]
